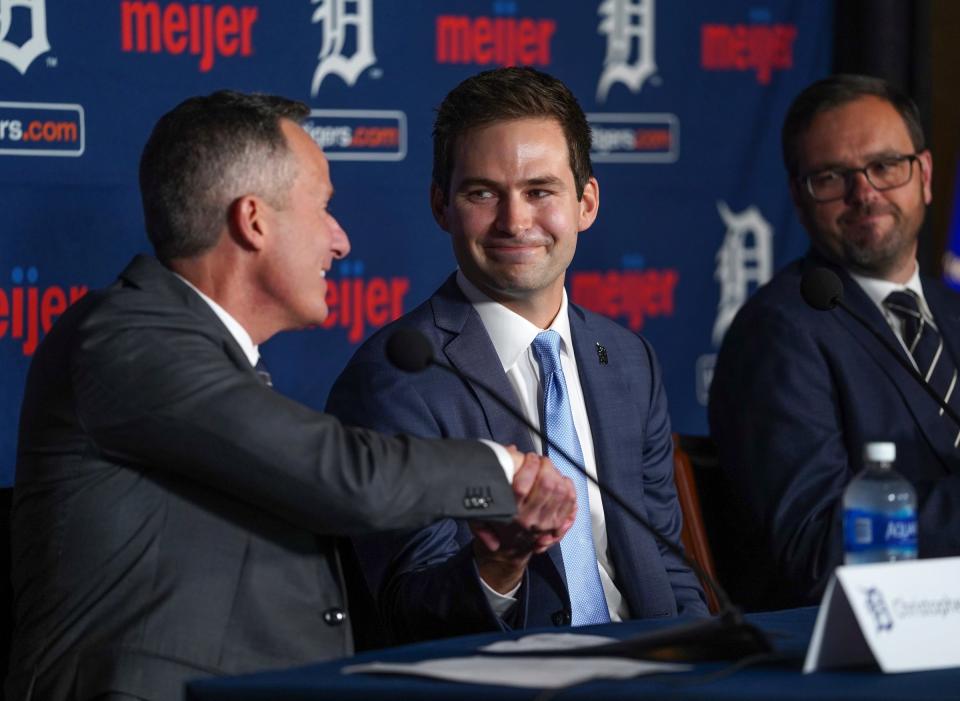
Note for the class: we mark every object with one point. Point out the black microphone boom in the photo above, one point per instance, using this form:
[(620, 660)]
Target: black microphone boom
[(726, 637), (821, 289)]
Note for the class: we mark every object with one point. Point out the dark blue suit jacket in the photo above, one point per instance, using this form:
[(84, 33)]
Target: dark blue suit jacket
[(426, 581), (797, 392)]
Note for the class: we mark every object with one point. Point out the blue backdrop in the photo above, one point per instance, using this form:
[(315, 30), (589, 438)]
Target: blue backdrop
[(685, 98)]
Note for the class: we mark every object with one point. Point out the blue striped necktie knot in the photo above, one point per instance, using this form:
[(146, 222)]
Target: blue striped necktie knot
[(587, 601)]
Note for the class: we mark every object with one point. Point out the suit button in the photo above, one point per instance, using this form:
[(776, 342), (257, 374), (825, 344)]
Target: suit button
[(561, 618), (334, 616)]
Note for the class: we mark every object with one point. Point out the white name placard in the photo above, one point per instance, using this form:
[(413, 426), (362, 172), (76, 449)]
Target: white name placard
[(903, 616)]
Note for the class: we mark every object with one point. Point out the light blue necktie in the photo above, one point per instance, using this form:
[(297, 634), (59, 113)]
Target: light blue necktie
[(587, 602)]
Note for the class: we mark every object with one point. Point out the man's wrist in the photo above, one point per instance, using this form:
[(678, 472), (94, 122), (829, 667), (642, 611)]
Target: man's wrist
[(503, 456)]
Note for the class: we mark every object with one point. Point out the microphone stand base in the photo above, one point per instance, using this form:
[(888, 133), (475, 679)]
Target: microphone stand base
[(725, 638)]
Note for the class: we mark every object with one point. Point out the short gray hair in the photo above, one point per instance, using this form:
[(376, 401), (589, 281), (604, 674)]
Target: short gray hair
[(205, 153)]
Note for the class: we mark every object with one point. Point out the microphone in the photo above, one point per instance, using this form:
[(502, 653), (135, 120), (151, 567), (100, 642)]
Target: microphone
[(822, 289), (726, 637)]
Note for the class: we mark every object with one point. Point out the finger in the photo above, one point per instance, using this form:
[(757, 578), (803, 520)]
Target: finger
[(516, 455), (550, 500), (487, 537), (526, 476)]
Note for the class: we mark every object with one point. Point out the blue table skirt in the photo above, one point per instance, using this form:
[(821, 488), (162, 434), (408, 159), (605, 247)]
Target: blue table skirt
[(781, 679)]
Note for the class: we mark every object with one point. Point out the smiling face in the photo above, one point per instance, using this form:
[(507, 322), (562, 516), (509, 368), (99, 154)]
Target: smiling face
[(306, 237), (513, 215), (870, 232)]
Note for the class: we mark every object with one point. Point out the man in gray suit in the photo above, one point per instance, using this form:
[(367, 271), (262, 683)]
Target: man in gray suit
[(174, 516)]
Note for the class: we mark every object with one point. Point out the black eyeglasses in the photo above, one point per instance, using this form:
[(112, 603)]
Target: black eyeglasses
[(883, 174)]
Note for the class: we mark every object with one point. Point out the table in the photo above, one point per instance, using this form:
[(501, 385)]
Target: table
[(782, 679)]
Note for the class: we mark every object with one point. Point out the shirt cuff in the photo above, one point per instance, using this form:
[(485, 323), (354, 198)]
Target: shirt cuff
[(500, 604), (506, 462)]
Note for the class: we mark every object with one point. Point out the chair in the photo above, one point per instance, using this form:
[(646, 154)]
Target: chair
[(723, 538), (694, 533)]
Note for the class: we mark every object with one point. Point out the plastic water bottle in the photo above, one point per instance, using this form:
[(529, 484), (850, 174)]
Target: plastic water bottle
[(879, 511)]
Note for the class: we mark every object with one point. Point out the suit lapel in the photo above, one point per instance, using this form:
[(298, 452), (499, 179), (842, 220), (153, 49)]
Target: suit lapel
[(471, 352), (147, 273), (601, 384), (606, 389), (944, 305), (940, 433)]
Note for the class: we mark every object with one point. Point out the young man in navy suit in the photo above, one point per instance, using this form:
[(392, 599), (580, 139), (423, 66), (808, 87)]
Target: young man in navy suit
[(513, 187), (797, 392)]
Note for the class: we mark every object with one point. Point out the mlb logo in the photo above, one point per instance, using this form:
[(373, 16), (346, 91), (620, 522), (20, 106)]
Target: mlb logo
[(35, 12)]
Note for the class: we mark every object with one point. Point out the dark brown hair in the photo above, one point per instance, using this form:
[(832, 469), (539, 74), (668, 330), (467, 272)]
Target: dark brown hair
[(504, 94), (836, 91)]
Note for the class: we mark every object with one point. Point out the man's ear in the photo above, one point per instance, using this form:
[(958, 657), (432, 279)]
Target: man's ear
[(589, 204), (438, 205), (248, 222)]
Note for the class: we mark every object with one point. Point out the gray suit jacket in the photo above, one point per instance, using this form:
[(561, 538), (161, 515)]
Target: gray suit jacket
[(174, 518)]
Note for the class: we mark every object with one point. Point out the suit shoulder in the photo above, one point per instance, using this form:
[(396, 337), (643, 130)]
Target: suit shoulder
[(606, 325), (373, 349), (614, 334), (778, 301)]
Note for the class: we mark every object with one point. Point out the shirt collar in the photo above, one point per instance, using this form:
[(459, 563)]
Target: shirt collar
[(877, 289), (239, 333), (511, 333)]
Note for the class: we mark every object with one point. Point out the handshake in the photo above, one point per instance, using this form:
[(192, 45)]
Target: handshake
[(546, 508)]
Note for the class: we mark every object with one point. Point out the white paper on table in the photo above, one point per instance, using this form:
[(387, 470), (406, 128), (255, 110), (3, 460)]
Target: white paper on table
[(534, 672), (545, 642)]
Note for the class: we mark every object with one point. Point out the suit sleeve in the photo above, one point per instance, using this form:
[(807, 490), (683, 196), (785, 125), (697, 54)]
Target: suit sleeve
[(660, 494), (777, 420), (426, 582), (156, 390)]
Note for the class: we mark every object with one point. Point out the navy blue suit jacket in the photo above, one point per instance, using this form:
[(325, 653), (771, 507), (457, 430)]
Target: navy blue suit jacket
[(426, 581), (797, 392)]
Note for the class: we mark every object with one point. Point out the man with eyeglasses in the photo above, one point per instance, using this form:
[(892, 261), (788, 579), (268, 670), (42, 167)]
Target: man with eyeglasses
[(797, 392)]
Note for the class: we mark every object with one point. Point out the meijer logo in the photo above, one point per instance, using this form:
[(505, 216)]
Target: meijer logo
[(20, 56), (633, 295), (200, 29), (356, 302), (28, 310), (762, 48), (503, 41)]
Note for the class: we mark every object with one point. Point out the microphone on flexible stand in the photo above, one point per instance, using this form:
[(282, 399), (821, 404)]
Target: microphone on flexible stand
[(822, 289), (726, 637)]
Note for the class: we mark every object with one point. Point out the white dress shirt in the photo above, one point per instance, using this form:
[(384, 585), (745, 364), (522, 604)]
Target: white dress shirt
[(239, 333), (512, 336)]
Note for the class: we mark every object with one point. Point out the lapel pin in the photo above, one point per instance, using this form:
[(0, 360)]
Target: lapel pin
[(602, 354)]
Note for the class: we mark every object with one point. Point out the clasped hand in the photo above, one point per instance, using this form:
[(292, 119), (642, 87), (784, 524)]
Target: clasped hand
[(546, 508)]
